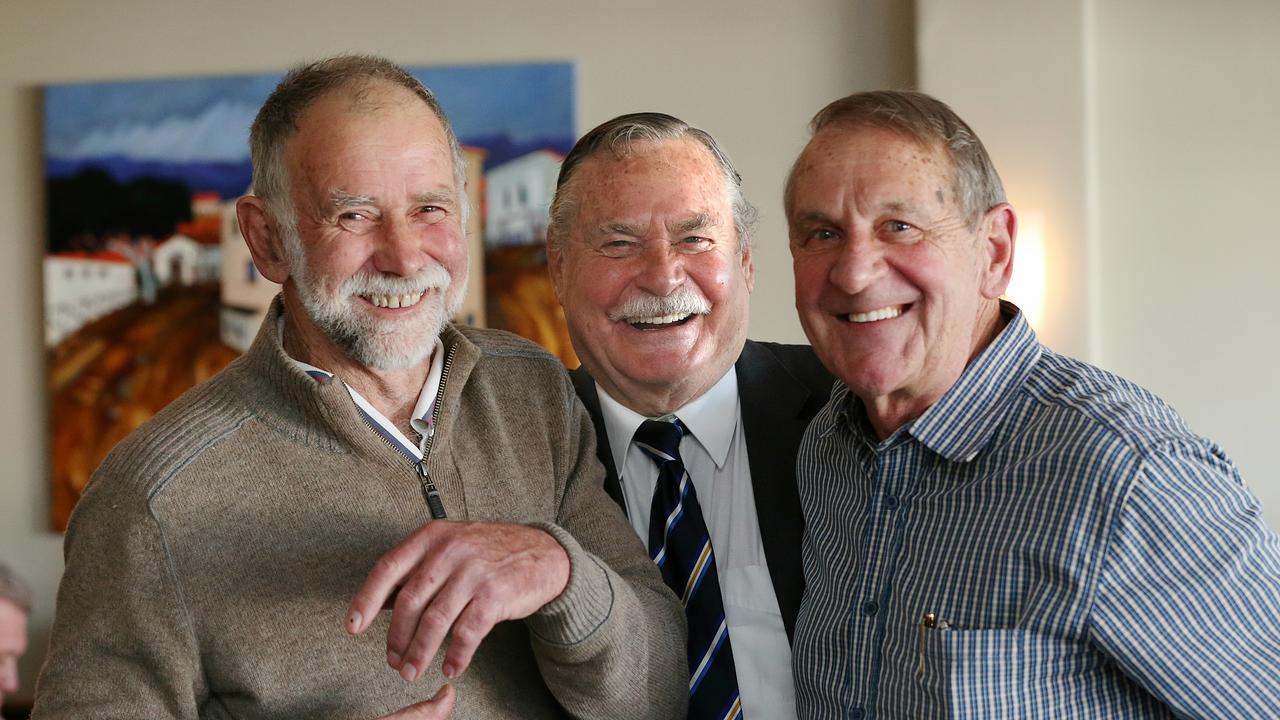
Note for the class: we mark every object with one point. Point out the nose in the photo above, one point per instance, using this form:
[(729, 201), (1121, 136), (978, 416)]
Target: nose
[(859, 264), (401, 251), (663, 269)]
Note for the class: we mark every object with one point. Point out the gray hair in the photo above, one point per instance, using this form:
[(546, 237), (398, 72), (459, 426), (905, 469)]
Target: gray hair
[(620, 136), (14, 590), (929, 121), (277, 120)]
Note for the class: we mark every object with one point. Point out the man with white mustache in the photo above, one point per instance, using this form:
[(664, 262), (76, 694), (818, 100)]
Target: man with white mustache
[(649, 249), (232, 557)]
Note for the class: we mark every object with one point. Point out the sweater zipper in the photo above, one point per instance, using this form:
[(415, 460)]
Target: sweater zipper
[(429, 491)]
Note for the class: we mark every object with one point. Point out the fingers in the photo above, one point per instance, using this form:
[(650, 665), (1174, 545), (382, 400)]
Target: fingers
[(471, 627), (422, 617), (383, 581), (437, 708)]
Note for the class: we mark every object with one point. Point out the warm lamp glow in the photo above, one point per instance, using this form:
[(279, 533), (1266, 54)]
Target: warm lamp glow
[(1026, 288)]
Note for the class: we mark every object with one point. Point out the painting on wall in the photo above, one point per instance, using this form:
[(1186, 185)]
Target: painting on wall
[(148, 286)]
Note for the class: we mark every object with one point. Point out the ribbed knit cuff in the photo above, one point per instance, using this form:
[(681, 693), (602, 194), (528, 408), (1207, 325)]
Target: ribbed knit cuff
[(586, 602)]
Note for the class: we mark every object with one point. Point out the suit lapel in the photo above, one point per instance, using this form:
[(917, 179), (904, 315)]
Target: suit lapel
[(585, 385), (773, 402)]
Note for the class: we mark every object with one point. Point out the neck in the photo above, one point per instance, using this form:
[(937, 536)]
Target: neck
[(887, 413), (393, 392), (656, 401)]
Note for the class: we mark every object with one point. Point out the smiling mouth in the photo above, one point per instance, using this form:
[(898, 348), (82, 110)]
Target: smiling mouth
[(884, 313), (394, 301), (659, 322)]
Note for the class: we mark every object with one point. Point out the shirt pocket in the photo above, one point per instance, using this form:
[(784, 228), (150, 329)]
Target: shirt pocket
[(1004, 674)]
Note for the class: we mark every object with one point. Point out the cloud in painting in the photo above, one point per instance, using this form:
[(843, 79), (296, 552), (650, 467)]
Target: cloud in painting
[(216, 134)]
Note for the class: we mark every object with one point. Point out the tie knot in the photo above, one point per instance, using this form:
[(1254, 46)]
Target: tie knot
[(660, 439)]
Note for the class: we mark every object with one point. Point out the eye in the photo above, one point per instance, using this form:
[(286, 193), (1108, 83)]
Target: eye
[(430, 214), (898, 226), (619, 248), (694, 243), (356, 221)]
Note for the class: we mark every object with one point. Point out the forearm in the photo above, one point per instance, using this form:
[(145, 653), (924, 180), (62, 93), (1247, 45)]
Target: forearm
[(612, 644)]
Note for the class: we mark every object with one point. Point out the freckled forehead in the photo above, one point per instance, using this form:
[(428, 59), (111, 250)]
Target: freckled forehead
[(869, 161), (667, 177)]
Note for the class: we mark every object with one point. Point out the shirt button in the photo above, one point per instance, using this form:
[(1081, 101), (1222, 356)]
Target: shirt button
[(870, 608), (857, 713), (890, 502)]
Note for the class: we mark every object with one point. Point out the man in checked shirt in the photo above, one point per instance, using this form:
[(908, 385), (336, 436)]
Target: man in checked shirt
[(994, 530)]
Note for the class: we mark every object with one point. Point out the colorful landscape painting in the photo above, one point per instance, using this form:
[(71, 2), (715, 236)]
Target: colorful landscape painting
[(148, 287)]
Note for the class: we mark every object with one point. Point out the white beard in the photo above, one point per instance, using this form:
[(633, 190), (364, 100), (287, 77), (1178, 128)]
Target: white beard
[(370, 340)]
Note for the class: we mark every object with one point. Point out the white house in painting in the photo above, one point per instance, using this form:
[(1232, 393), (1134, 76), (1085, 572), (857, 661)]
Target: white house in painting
[(246, 295), (82, 287), (517, 196)]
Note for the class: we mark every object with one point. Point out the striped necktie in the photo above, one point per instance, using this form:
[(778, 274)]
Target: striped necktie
[(681, 547)]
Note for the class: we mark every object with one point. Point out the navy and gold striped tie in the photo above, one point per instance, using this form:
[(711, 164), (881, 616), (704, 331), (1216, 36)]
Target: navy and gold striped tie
[(681, 547)]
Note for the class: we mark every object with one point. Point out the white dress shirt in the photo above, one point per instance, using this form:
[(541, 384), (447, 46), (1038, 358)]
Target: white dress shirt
[(715, 454), (420, 420)]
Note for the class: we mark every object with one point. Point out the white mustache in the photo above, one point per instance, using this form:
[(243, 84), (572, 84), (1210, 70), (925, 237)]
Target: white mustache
[(433, 277), (683, 301)]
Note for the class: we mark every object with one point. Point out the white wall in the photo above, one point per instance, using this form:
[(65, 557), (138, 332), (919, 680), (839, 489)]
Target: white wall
[(1147, 132), (750, 72), (1188, 179)]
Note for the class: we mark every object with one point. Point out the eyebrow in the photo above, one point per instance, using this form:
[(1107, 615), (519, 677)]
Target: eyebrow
[(699, 221), (343, 199)]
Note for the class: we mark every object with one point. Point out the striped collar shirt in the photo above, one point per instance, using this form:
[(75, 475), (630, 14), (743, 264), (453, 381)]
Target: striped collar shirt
[(1048, 540)]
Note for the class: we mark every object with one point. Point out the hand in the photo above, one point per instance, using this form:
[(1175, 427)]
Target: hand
[(462, 578), (437, 708)]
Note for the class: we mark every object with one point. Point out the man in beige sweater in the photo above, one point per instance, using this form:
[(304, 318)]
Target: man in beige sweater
[(224, 561)]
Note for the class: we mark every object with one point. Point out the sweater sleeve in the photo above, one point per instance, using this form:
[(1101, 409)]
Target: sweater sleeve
[(122, 645), (1190, 589), (612, 645)]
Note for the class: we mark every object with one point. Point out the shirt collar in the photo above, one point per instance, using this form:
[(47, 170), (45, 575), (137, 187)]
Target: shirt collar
[(711, 418), (960, 424), (421, 417)]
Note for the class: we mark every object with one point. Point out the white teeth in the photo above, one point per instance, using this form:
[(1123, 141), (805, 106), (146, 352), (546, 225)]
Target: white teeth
[(883, 313), (660, 320), (394, 301)]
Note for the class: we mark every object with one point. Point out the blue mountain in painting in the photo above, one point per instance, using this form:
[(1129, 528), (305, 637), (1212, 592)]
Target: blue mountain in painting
[(228, 179)]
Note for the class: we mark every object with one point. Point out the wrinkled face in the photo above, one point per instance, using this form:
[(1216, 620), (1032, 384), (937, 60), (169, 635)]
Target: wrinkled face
[(13, 643), (890, 282), (378, 258), (654, 288)]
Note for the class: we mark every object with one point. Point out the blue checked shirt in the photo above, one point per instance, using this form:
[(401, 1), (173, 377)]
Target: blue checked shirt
[(1082, 553)]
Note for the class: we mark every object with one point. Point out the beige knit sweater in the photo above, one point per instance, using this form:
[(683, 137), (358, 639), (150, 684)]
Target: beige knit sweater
[(210, 562)]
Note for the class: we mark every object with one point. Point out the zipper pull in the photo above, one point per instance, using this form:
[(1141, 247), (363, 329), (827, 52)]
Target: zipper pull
[(434, 502)]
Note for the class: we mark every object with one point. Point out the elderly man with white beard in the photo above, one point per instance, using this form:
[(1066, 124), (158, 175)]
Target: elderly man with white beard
[(232, 557), (650, 252)]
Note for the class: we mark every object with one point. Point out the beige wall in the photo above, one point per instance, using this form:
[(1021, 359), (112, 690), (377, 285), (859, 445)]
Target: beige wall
[(1188, 183), (1146, 132), (750, 72)]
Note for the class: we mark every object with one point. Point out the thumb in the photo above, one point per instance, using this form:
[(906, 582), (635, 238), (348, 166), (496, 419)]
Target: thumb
[(437, 708)]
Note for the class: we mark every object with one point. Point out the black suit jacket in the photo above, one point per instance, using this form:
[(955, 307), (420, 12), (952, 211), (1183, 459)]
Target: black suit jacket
[(781, 388)]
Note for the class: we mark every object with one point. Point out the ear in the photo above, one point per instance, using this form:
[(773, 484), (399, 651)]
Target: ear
[(748, 268), (258, 229), (997, 231), (555, 266)]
